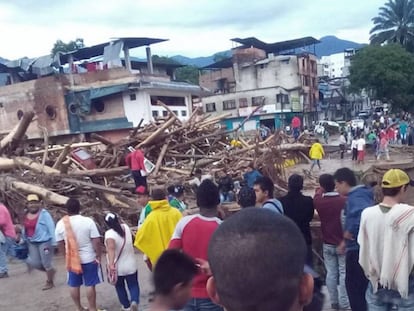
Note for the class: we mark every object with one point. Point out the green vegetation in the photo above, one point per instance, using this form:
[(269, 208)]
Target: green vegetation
[(63, 47)]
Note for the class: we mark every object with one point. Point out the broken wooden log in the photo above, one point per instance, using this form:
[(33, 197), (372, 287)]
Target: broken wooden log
[(101, 139), (7, 164), (29, 164), (92, 186), (101, 172), (60, 148), (160, 158), (156, 133), (61, 158), (44, 193), (17, 133)]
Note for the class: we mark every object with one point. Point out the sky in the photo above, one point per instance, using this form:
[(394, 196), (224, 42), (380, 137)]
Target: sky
[(193, 27)]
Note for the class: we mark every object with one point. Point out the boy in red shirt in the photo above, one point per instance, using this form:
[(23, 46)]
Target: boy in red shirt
[(192, 235)]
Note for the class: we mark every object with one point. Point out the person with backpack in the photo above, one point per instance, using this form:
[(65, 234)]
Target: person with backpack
[(264, 188)]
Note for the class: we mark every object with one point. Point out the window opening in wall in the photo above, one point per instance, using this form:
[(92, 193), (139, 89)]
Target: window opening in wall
[(132, 96), (1, 105), (229, 104), (164, 113), (155, 113), (51, 112), (243, 103), (19, 114), (175, 112), (98, 105), (282, 98), (168, 100), (258, 100), (210, 107), (183, 113)]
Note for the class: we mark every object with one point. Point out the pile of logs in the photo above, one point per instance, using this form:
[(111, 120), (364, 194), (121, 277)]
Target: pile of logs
[(177, 148)]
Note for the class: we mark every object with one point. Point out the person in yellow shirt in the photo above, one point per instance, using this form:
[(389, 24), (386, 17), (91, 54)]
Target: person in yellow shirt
[(154, 235), (316, 154)]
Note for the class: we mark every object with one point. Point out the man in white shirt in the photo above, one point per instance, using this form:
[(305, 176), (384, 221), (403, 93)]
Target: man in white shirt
[(361, 149), (88, 241), (386, 239)]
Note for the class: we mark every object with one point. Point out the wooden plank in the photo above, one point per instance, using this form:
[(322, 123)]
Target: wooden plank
[(92, 185), (101, 171)]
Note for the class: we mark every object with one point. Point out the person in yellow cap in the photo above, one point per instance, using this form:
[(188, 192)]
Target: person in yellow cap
[(386, 239), (39, 232)]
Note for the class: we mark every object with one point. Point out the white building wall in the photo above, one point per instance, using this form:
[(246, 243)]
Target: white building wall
[(333, 65), (137, 109)]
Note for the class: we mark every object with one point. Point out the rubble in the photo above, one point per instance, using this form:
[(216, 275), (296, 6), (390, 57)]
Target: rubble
[(177, 148)]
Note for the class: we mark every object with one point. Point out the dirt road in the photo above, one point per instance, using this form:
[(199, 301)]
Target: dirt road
[(23, 291)]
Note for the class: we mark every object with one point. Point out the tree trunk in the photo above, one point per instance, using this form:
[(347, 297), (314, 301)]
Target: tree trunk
[(17, 132), (46, 194)]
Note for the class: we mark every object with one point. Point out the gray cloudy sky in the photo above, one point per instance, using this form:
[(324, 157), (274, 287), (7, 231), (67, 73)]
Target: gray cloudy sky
[(194, 27)]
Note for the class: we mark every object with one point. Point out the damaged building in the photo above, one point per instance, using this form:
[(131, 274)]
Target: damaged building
[(279, 77), (94, 89)]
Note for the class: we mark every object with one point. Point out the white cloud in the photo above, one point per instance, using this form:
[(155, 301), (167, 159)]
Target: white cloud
[(195, 28)]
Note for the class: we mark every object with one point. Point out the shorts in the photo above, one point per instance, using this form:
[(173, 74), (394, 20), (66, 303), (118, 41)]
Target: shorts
[(361, 155), (40, 255), (88, 277)]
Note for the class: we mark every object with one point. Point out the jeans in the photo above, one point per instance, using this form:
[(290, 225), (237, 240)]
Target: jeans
[(6, 249), (355, 281), (315, 162), (385, 299), (335, 268), (133, 286), (201, 304), (226, 196)]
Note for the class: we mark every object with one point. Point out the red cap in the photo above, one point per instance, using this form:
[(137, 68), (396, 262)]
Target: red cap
[(141, 190)]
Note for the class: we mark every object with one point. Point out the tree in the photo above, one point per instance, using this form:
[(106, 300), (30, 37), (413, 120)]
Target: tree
[(394, 23), (163, 60), (220, 56), (188, 74), (387, 72), (63, 47)]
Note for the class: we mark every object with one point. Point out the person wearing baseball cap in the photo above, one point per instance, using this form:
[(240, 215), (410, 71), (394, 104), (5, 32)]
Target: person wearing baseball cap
[(386, 238), (39, 231)]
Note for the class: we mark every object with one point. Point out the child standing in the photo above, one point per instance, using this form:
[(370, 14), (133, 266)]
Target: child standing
[(172, 290)]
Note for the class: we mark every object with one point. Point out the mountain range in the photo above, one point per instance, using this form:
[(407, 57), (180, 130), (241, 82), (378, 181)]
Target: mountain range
[(329, 45)]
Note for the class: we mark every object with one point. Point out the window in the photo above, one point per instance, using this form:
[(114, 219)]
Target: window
[(243, 103), (258, 100), (183, 113), (282, 98), (98, 105), (210, 107), (229, 104), (164, 113), (51, 112), (305, 80), (175, 112), (155, 113), (19, 114), (132, 96)]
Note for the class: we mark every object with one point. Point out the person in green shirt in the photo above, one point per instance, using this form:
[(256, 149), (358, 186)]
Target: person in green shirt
[(176, 196)]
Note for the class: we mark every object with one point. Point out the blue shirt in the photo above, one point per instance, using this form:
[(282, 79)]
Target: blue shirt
[(250, 177), (274, 205), (45, 229)]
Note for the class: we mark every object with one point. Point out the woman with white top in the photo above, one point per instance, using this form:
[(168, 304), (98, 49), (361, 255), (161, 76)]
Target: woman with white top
[(120, 257)]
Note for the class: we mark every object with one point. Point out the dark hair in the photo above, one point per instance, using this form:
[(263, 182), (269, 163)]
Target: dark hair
[(72, 206), (295, 183), (198, 171), (392, 192), (158, 194), (247, 197), (208, 195), (173, 267), (345, 175), (266, 184), (112, 221), (269, 249), (327, 182)]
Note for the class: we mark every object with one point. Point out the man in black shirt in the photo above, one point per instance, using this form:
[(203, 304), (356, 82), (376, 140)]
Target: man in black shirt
[(299, 208)]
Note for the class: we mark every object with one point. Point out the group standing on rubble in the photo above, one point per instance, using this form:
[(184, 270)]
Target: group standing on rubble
[(260, 258)]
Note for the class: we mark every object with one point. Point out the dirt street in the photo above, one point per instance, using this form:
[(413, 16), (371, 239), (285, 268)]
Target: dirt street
[(23, 291)]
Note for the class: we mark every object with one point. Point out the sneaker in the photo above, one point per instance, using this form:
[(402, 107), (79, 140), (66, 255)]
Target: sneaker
[(125, 309), (4, 275), (134, 306)]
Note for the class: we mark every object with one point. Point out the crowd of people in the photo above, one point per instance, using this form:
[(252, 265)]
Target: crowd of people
[(260, 258)]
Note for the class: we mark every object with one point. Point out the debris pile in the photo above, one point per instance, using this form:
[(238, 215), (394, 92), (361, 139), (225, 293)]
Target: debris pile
[(176, 148)]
